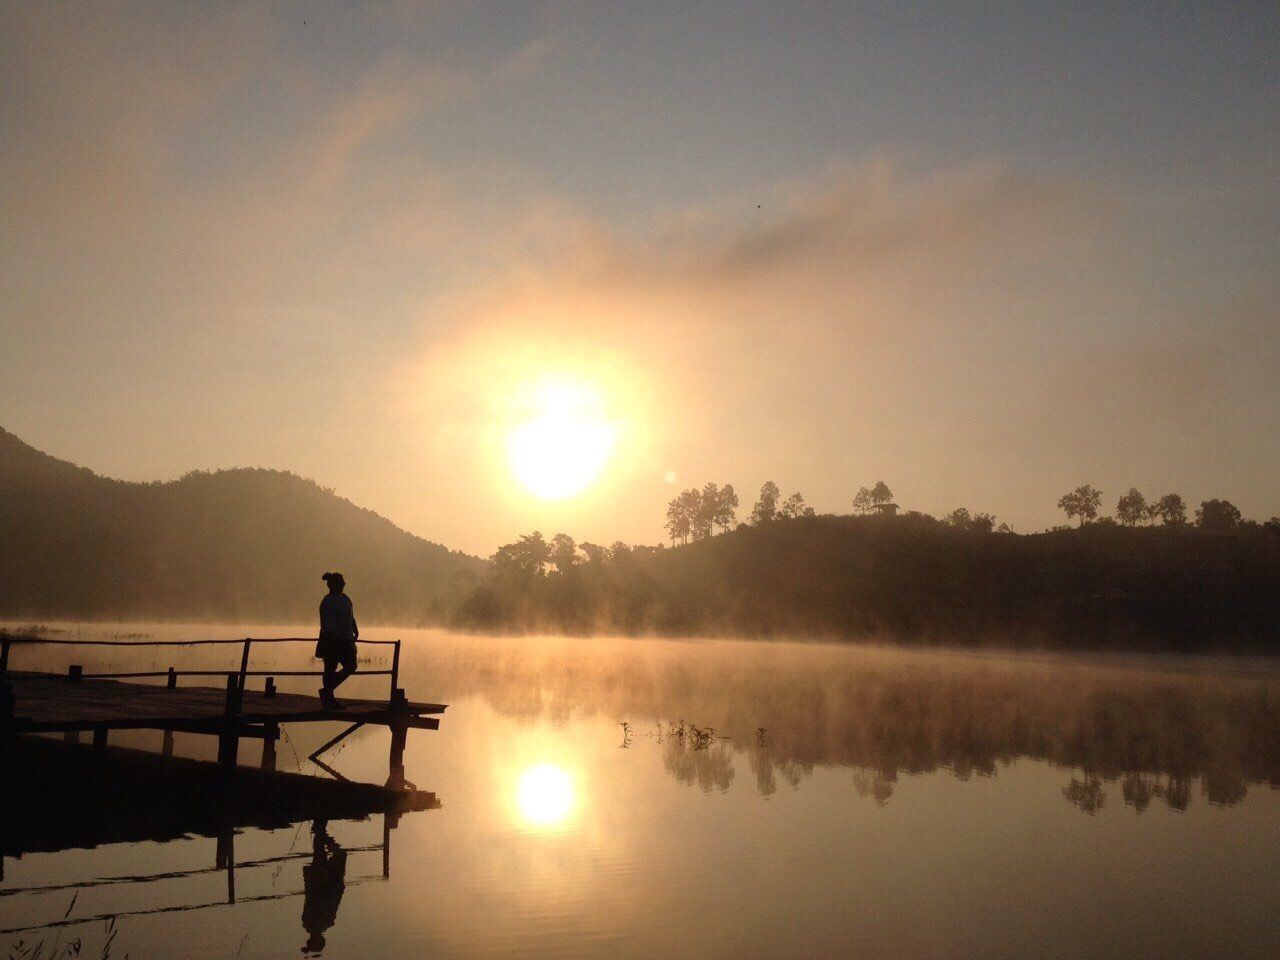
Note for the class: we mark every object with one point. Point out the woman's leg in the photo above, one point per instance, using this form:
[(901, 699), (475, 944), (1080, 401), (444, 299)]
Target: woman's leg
[(348, 664), (330, 680)]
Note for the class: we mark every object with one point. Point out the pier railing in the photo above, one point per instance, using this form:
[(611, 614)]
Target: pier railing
[(237, 677)]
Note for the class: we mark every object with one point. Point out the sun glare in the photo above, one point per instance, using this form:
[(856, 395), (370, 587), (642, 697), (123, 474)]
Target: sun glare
[(564, 444), (545, 795)]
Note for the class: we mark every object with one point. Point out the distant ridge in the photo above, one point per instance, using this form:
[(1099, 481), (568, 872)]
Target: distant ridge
[(243, 544)]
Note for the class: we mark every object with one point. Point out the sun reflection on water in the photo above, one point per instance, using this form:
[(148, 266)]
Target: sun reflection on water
[(545, 795)]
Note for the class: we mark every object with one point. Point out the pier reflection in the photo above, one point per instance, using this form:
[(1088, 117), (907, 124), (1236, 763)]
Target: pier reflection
[(66, 797)]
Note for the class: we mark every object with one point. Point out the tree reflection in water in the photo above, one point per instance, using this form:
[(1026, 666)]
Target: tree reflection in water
[(1157, 727)]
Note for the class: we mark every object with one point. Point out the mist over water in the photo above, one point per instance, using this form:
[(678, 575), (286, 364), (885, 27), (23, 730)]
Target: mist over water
[(655, 798)]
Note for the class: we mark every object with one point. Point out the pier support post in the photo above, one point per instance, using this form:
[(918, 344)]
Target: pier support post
[(229, 736), (399, 730), (396, 766), (71, 736), (269, 737), (166, 744), (100, 737)]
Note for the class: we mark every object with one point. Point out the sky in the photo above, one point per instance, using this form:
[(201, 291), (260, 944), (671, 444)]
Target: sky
[(985, 252)]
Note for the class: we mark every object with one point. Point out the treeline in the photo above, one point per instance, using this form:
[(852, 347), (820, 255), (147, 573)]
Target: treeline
[(1133, 509), (906, 576)]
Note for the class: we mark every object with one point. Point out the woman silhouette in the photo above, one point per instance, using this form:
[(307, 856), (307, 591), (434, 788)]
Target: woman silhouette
[(337, 644)]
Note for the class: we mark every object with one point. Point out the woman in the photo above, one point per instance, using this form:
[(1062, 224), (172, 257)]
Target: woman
[(337, 645)]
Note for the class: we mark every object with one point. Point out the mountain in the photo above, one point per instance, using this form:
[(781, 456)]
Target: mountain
[(233, 545)]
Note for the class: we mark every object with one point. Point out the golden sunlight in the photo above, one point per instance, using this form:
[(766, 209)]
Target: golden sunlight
[(564, 444), (545, 795)]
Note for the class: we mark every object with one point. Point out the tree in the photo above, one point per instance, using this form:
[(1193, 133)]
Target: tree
[(1171, 509), (726, 507), (1082, 502), (795, 507), (564, 552), (766, 507), (881, 494), (1132, 508), (1218, 516), (595, 554), (704, 516), (682, 513), (523, 559), (862, 503), (961, 519)]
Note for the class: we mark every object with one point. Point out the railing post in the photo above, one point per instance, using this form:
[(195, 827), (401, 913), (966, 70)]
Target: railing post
[(244, 662), (172, 679), (269, 690), (395, 669), (73, 673)]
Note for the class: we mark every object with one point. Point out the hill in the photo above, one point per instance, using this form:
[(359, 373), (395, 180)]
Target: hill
[(912, 579), (245, 544)]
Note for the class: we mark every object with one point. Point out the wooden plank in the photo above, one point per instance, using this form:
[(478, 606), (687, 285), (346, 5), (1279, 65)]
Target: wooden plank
[(48, 702)]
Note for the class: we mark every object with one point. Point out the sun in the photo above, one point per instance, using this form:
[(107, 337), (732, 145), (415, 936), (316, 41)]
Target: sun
[(563, 445), (545, 795)]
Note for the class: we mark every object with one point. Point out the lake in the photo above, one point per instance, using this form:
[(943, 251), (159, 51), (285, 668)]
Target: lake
[(721, 799)]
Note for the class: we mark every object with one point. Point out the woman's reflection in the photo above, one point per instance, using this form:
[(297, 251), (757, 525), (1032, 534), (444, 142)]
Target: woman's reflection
[(323, 881)]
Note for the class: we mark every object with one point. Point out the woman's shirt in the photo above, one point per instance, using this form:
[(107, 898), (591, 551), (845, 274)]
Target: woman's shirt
[(337, 617)]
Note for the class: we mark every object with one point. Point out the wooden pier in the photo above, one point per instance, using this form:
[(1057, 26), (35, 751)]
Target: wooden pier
[(78, 702)]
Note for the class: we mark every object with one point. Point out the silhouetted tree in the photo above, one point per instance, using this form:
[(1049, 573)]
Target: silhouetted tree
[(594, 553), (766, 507), (1171, 509), (523, 559), (619, 551), (726, 507), (1218, 516), (682, 513), (704, 518), (564, 552), (1082, 503), (862, 503), (1132, 508), (881, 494), (795, 507), (961, 519)]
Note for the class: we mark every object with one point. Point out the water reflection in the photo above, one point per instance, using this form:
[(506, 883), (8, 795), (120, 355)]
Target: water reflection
[(72, 798), (1158, 728), (545, 795), (323, 881)]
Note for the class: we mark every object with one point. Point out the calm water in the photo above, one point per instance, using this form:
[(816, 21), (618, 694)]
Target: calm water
[(613, 798)]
